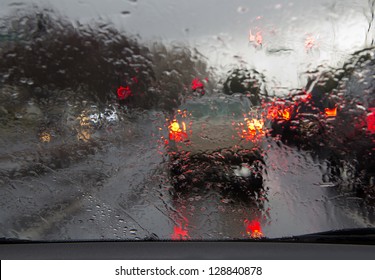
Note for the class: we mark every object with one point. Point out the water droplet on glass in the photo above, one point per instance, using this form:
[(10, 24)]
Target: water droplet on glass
[(242, 10)]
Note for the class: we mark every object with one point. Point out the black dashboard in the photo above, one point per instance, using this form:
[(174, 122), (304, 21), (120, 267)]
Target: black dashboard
[(166, 250)]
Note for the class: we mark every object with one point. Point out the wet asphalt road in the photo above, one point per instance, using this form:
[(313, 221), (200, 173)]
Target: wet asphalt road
[(120, 191)]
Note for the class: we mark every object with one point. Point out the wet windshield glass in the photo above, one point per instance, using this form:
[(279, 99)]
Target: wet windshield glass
[(186, 120)]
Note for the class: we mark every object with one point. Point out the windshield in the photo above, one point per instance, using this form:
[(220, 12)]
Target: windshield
[(186, 120)]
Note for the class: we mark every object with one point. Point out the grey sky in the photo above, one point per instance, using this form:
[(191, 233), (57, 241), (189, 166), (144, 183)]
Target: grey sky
[(220, 29)]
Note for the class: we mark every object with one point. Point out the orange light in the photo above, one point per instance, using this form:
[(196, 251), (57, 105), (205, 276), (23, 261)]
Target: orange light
[(179, 233), (254, 229), (275, 112), (176, 133), (174, 127), (253, 129), (286, 114), (331, 112), (255, 126), (45, 137)]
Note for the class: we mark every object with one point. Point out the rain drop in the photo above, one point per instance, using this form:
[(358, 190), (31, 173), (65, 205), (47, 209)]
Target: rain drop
[(242, 10)]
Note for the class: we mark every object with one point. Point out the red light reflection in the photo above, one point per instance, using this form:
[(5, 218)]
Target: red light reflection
[(179, 233), (254, 229)]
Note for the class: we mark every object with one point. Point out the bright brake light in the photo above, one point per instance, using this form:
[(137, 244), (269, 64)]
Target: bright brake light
[(279, 113), (331, 112), (176, 133)]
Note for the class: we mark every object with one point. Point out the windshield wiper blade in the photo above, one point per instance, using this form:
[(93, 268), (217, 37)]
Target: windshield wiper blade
[(344, 236)]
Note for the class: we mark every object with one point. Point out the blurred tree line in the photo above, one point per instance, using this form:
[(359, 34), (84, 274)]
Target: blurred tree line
[(47, 54)]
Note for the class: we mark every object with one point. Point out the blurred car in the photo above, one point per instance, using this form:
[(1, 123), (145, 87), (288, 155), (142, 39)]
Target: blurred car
[(336, 127), (245, 81), (320, 116), (301, 116), (216, 142)]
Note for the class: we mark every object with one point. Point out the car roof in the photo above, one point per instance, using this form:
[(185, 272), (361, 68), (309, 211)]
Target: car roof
[(217, 105)]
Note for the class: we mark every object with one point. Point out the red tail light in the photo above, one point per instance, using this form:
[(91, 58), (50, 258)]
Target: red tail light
[(371, 121), (331, 112), (123, 92), (196, 84)]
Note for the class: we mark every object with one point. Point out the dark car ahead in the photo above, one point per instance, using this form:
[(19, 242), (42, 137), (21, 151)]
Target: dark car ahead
[(216, 142)]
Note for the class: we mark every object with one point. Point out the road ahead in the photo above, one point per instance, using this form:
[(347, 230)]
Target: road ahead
[(120, 191)]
